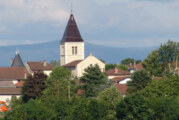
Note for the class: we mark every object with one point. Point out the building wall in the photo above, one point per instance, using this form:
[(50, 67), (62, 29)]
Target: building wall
[(7, 98), (111, 77), (90, 60), (66, 55), (47, 72)]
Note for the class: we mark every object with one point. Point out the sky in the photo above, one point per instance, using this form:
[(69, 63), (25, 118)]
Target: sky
[(119, 23)]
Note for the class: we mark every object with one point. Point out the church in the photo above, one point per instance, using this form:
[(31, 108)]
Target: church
[(72, 51)]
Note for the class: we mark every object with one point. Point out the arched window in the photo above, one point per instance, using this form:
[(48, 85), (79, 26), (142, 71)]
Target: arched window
[(73, 50), (76, 52)]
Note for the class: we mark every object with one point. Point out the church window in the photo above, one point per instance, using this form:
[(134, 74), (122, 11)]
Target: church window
[(76, 51), (73, 50)]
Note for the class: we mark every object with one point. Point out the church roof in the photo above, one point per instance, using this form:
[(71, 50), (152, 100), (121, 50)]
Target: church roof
[(17, 62), (71, 33), (73, 63)]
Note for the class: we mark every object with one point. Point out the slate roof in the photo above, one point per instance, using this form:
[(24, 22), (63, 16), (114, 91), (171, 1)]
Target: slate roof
[(73, 63), (12, 73), (39, 66), (10, 91), (71, 33), (17, 62)]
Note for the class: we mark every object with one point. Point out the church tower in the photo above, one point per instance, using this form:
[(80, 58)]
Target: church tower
[(72, 44)]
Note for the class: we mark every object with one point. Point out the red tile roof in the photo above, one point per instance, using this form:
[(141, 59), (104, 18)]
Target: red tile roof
[(122, 88), (73, 63), (7, 84), (118, 79), (12, 73), (10, 91), (39, 66), (139, 66), (111, 72), (19, 84)]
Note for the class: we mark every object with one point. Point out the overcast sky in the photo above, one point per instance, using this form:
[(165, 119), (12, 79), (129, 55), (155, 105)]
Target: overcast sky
[(121, 23)]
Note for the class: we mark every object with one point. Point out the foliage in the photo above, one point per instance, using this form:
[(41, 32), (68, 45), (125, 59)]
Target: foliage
[(163, 87), (128, 61), (133, 107), (34, 86), (109, 66), (55, 63), (92, 79), (33, 110), (122, 67), (140, 79), (112, 97), (58, 82), (152, 64)]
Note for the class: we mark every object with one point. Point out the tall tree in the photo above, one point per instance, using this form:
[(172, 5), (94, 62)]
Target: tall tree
[(140, 79), (58, 82), (34, 86), (92, 79), (127, 61)]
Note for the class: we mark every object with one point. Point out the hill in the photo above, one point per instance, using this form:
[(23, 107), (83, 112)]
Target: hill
[(50, 51)]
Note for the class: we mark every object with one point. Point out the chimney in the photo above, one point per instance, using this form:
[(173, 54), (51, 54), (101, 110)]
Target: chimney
[(115, 70), (130, 64), (134, 64), (44, 63)]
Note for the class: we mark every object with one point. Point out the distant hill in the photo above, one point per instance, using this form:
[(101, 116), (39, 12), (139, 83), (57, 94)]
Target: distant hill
[(50, 51)]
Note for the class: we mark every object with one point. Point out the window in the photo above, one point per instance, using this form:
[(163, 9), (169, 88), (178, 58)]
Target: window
[(73, 51), (76, 51)]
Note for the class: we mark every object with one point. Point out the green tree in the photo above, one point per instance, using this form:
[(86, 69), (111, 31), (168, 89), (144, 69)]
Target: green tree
[(33, 110), (109, 66), (34, 86), (92, 79), (127, 61), (58, 82), (133, 107), (152, 64), (55, 63), (140, 80), (112, 97)]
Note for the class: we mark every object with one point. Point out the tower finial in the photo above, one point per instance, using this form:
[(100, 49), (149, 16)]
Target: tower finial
[(90, 53), (17, 51), (71, 8)]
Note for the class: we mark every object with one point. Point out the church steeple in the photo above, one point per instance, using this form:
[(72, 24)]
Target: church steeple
[(17, 62), (71, 33)]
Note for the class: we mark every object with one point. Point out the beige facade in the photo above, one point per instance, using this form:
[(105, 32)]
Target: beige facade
[(89, 61), (71, 51)]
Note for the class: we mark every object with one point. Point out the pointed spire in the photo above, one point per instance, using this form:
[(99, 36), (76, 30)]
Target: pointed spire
[(17, 62), (71, 33)]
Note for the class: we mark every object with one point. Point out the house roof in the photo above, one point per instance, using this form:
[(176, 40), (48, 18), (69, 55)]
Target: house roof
[(39, 66), (138, 66), (118, 79), (71, 33), (73, 63), (122, 88), (111, 72), (19, 84), (10, 91), (12, 73), (17, 62), (7, 84)]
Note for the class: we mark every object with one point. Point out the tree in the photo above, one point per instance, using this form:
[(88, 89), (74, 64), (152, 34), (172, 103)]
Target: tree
[(92, 79), (112, 97), (34, 86), (32, 110), (109, 66), (133, 107), (127, 61), (140, 79), (58, 82), (55, 63), (152, 64)]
